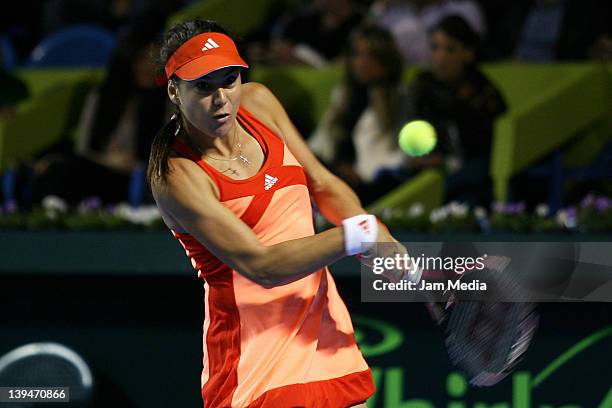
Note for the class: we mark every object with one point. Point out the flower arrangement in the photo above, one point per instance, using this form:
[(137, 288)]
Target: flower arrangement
[(509, 217), (413, 218), (90, 214), (593, 214), (453, 217)]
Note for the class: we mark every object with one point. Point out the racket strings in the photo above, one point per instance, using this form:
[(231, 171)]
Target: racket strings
[(487, 340)]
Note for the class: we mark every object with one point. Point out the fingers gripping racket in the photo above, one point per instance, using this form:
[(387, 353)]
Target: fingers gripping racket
[(485, 339)]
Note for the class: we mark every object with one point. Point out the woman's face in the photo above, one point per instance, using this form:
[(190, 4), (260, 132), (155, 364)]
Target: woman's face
[(209, 104), (363, 64), (449, 57)]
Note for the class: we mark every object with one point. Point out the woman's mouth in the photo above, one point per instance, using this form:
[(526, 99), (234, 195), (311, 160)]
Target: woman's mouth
[(221, 117)]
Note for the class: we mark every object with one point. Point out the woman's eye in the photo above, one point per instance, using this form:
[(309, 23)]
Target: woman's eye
[(202, 86), (230, 81)]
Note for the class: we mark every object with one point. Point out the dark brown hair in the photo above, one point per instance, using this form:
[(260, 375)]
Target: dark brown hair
[(384, 50), (456, 27), (172, 40)]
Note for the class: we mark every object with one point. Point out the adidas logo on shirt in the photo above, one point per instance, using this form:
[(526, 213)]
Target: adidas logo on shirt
[(269, 181), (209, 45)]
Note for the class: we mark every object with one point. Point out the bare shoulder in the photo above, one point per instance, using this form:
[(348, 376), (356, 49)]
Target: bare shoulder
[(261, 102), (183, 174), (184, 183)]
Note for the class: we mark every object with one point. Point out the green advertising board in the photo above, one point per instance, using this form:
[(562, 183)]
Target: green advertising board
[(401, 357)]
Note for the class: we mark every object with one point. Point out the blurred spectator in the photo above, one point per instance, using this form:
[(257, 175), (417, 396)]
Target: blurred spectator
[(461, 103), (14, 90), (111, 14), (117, 125), (410, 22), (58, 14), (541, 31), (565, 30), (357, 136), (22, 26), (401, 18), (313, 35), (28, 22), (504, 21), (434, 11)]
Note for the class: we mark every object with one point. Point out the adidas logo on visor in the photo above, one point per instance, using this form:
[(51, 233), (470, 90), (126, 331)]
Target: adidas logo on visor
[(209, 45), (269, 181)]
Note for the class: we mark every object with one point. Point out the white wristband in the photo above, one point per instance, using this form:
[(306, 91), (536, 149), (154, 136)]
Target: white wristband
[(360, 233)]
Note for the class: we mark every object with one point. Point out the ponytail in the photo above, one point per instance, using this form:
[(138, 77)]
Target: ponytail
[(160, 150)]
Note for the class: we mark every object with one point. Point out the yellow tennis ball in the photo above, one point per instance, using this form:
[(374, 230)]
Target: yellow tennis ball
[(417, 138)]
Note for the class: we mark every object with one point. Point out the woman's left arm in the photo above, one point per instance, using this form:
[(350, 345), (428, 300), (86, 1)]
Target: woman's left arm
[(334, 198)]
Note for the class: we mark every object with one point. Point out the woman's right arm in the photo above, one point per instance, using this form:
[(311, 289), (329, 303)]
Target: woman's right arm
[(188, 198)]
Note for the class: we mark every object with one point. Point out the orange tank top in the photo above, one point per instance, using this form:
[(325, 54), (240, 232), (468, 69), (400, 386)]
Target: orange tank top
[(292, 345)]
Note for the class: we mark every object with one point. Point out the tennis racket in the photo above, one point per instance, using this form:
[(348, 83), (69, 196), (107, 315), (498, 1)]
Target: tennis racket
[(485, 339)]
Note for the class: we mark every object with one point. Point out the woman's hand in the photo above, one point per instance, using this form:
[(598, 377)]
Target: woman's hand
[(387, 247)]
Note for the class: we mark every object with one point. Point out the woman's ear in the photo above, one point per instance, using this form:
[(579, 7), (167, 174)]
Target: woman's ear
[(173, 92)]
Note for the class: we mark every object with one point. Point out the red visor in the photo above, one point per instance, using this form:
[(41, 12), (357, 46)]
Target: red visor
[(203, 54)]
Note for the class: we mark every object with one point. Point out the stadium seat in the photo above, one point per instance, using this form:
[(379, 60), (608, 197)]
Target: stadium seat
[(82, 45), (8, 57), (426, 188), (549, 107), (48, 116), (48, 365)]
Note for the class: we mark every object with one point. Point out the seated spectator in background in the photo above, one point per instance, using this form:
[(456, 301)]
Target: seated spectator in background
[(21, 27), (410, 22), (357, 135), (541, 31), (462, 104), (58, 14), (314, 35), (117, 124), (504, 21), (565, 30), (401, 18), (111, 14), (434, 11)]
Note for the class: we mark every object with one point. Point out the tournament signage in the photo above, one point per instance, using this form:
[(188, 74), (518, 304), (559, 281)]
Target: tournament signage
[(411, 370)]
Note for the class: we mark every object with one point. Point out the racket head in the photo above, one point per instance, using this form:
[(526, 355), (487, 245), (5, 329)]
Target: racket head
[(487, 338)]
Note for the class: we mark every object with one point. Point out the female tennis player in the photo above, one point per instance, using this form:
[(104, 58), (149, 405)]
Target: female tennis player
[(233, 180)]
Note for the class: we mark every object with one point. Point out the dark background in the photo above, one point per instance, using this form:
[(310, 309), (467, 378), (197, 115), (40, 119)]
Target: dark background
[(142, 337)]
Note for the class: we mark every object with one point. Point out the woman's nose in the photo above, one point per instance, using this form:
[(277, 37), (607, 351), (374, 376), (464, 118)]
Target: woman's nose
[(219, 97)]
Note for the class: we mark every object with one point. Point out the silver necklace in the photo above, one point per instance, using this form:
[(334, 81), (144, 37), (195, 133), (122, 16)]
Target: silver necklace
[(244, 160)]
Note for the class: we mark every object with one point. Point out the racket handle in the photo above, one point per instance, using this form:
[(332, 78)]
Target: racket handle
[(436, 310)]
